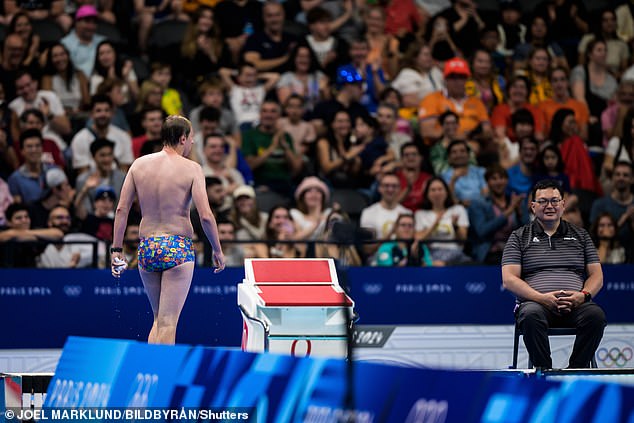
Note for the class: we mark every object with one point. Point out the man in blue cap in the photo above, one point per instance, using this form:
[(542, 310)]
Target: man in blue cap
[(349, 91), (100, 222)]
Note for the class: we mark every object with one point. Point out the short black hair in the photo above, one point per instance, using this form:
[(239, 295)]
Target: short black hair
[(30, 133), (546, 184), (24, 71), (209, 113), (369, 120), (522, 116), (624, 164), (225, 221), (390, 90), (515, 78), (35, 112), (318, 14), (391, 107), (151, 109), (495, 169), (214, 135), (13, 209), (100, 143), (151, 146), (410, 144), (529, 139), (295, 96), (454, 143), (391, 173), (99, 98), (446, 114), (212, 181)]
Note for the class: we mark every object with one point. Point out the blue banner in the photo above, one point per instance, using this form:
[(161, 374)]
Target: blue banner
[(462, 295), (287, 389), (41, 308)]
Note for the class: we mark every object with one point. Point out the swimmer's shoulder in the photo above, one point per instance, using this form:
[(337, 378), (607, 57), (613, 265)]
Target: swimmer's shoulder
[(149, 159), (160, 158)]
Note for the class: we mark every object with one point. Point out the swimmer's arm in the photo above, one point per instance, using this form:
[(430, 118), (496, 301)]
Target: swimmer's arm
[(207, 220), (128, 191)]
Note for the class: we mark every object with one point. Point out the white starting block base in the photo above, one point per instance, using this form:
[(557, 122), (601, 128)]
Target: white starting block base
[(334, 346), (294, 306)]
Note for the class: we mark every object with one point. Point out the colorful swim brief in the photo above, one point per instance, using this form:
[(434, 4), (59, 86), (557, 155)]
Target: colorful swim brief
[(159, 253)]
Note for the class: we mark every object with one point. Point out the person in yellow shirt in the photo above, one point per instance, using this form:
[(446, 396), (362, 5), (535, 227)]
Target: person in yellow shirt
[(539, 63)]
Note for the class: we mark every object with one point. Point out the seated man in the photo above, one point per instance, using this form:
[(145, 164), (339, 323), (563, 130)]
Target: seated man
[(234, 253), (465, 180), (68, 255), (52, 145), (493, 217), (27, 184), (27, 243), (379, 218), (270, 48), (101, 127), (82, 40), (270, 152), (104, 174), (100, 222), (619, 203), (31, 97), (554, 288)]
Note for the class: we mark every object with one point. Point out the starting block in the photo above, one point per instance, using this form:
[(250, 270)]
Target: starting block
[(294, 306)]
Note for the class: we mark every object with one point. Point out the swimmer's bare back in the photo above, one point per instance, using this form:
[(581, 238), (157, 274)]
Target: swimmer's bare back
[(163, 183), (166, 183)]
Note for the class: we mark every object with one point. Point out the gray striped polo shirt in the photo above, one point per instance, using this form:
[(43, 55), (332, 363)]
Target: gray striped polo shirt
[(551, 263)]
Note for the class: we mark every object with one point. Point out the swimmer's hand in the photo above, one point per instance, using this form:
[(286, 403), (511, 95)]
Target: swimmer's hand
[(218, 261), (118, 266)]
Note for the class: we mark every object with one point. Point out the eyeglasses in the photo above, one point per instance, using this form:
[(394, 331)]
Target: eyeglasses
[(543, 202)]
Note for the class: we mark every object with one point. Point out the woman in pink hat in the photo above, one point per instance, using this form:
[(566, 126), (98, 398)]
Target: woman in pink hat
[(311, 196)]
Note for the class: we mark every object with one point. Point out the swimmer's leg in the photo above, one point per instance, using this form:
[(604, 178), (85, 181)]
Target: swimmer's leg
[(175, 283), (152, 284)]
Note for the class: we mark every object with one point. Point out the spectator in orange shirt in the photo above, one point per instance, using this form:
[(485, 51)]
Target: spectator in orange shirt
[(519, 88), (471, 110), (563, 100)]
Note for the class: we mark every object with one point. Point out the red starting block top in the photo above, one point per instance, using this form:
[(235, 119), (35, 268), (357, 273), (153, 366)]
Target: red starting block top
[(294, 271), (302, 295)]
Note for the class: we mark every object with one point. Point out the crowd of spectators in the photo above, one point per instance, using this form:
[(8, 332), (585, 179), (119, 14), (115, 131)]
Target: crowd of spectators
[(388, 132)]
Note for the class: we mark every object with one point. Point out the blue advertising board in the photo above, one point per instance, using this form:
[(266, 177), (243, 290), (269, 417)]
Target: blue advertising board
[(288, 389), (41, 308)]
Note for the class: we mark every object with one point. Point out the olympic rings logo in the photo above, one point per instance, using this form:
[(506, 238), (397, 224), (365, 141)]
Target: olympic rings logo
[(475, 287), (614, 356)]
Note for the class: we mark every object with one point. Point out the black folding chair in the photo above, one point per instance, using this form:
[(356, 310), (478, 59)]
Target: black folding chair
[(551, 332)]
